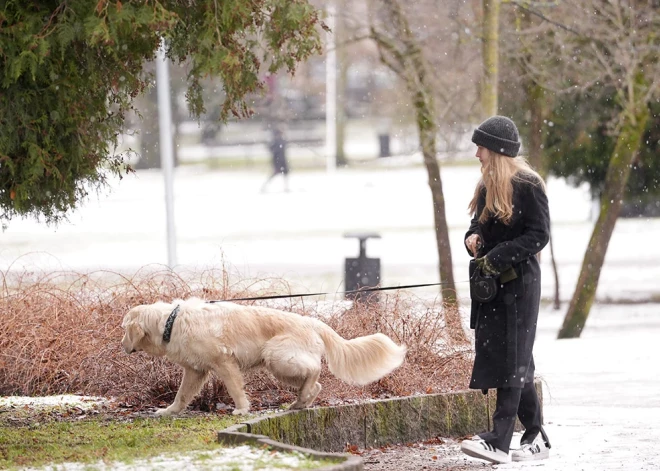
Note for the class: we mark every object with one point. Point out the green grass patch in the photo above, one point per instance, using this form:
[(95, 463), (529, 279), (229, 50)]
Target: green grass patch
[(88, 441), (29, 439)]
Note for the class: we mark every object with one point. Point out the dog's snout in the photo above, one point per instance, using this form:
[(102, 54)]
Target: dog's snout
[(126, 344)]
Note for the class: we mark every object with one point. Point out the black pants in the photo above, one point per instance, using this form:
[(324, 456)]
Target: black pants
[(523, 402)]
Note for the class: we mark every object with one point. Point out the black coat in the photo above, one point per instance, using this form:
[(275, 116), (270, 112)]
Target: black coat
[(506, 326)]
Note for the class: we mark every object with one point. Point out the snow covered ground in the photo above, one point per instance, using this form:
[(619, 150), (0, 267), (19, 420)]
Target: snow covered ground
[(602, 406), (221, 216), (238, 458), (64, 400)]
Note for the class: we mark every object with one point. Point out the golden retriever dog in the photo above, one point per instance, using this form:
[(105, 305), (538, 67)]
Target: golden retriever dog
[(226, 339)]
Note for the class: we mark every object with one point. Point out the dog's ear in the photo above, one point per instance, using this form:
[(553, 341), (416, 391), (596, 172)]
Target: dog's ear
[(132, 336)]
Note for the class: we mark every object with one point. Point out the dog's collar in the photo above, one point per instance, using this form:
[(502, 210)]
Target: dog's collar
[(167, 333)]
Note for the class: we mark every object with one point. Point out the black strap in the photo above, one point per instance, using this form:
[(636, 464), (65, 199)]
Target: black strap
[(167, 333), (361, 290)]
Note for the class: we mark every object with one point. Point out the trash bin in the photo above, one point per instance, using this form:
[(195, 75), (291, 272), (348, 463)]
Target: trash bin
[(384, 144), (362, 272)]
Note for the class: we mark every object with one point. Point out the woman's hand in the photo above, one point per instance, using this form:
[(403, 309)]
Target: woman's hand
[(487, 268), (473, 243)]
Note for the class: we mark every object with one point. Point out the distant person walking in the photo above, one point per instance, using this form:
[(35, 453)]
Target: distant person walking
[(279, 161), (510, 226)]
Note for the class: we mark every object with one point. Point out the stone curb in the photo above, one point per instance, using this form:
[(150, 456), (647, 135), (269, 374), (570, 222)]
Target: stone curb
[(371, 424), (236, 435)]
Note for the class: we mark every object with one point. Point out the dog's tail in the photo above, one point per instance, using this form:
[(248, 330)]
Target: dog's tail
[(361, 360)]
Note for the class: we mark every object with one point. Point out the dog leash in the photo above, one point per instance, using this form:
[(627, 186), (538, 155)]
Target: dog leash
[(170, 320), (355, 291)]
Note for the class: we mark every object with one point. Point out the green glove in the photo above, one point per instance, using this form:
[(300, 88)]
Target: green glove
[(487, 268), (508, 275)]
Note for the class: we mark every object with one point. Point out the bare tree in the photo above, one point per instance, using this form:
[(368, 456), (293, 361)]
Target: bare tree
[(490, 56), (608, 44), (403, 41), (402, 53), (528, 72)]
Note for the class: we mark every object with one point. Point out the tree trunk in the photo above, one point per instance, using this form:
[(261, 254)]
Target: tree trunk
[(556, 304), (490, 56), (426, 126), (342, 70), (423, 103), (618, 171), (536, 100), (406, 59)]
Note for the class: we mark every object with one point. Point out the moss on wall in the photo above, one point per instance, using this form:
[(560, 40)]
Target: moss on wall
[(400, 420)]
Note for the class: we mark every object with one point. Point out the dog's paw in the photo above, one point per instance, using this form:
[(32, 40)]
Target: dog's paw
[(163, 412), (240, 411)]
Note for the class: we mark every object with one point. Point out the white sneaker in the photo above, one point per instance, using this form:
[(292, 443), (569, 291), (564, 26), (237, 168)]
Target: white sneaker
[(479, 448), (537, 450)]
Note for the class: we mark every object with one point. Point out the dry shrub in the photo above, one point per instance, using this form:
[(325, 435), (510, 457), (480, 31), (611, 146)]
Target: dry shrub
[(435, 361), (61, 331)]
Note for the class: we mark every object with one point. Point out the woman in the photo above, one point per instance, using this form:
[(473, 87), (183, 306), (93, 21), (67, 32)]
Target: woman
[(510, 226)]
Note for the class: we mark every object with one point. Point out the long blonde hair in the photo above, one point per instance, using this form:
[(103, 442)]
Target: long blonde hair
[(497, 177)]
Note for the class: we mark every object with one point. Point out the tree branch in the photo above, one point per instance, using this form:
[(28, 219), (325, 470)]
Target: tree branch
[(545, 18)]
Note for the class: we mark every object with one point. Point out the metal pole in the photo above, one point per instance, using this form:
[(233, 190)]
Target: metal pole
[(166, 150), (331, 91)]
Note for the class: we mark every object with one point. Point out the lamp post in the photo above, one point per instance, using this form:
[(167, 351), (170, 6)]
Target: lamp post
[(166, 149), (331, 90)]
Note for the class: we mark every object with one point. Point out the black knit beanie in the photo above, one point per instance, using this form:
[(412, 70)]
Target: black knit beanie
[(499, 134)]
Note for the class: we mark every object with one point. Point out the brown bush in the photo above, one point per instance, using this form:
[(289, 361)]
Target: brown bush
[(60, 333)]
